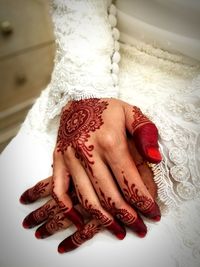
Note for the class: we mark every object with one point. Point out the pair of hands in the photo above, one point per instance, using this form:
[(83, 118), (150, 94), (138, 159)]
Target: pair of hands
[(100, 175)]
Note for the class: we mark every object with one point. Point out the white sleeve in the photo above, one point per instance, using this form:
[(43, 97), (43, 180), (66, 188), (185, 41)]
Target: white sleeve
[(86, 62)]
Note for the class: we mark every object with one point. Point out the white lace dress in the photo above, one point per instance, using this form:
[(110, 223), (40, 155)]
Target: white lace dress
[(165, 86)]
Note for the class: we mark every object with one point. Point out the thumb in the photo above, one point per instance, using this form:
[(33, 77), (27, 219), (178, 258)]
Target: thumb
[(144, 132)]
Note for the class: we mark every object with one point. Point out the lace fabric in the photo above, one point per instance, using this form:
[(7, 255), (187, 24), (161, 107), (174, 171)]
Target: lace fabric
[(85, 54), (176, 96), (168, 91)]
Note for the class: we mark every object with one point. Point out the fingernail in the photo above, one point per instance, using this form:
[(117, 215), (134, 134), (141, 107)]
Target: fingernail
[(42, 232), (66, 245), (154, 213), (76, 217), (154, 154), (25, 198), (139, 227), (117, 230), (29, 222)]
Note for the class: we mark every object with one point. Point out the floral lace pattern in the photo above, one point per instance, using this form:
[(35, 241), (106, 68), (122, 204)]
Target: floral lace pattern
[(85, 54)]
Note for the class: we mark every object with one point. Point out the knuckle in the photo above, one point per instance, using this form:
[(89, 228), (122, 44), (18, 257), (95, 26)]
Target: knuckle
[(109, 141)]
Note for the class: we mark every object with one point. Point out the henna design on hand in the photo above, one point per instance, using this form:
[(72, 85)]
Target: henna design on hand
[(131, 193), (97, 214), (139, 118), (77, 239), (40, 215), (52, 226), (122, 214), (85, 234), (81, 118), (55, 224), (133, 222), (145, 135), (33, 193)]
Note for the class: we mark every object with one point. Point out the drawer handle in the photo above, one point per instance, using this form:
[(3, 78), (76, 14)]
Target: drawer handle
[(6, 28), (20, 79)]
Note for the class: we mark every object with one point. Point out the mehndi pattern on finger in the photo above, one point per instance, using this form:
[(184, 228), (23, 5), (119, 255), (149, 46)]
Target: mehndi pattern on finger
[(143, 203), (139, 118), (85, 234), (34, 193), (97, 214)]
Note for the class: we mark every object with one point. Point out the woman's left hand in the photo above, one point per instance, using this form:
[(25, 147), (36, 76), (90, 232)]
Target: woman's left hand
[(51, 218)]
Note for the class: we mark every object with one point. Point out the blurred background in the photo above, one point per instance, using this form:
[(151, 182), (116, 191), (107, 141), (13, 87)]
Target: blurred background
[(26, 60)]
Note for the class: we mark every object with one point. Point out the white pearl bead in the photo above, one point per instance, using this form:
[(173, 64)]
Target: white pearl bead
[(115, 79), (116, 57), (116, 33), (116, 46), (112, 20), (113, 10), (115, 68)]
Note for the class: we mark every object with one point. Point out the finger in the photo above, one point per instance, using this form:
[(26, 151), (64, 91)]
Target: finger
[(41, 214), (144, 170), (89, 199), (144, 132), (110, 197), (40, 190), (60, 187), (79, 237), (130, 182), (53, 225)]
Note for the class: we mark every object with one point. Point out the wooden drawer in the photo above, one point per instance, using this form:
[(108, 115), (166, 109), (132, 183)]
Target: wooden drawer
[(30, 22), (23, 76)]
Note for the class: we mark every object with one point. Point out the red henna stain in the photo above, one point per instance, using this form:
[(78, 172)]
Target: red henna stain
[(50, 227), (33, 193), (121, 214), (76, 124), (134, 223), (143, 203), (97, 214), (77, 239), (131, 193), (139, 118), (72, 214), (110, 224), (39, 215), (145, 135)]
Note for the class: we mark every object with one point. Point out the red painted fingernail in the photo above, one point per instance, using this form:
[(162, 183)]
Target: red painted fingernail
[(24, 199), (66, 245), (156, 218), (117, 230), (25, 224), (42, 232), (139, 227), (146, 138), (154, 213), (61, 250), (154, 154), (76, 217), (37, 235), (29, 221)]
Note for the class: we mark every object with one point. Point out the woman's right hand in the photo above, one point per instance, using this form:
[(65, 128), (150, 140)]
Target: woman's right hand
[(92, 150)]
